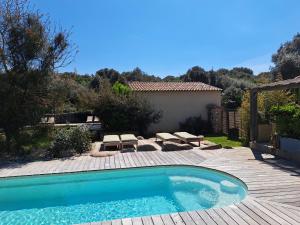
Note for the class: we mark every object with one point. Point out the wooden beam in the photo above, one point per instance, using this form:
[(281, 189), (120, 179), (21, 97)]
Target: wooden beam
[(277, 87), (253, 115)]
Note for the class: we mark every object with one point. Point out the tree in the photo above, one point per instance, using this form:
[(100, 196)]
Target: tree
[(138, 75), (243, 70), (171, 79), (29, 52), (264, 77), (212, 76), (121, 89), (232, 97), (110, 74), (67, 95), (123, 113), (287, 59), (195, 74)]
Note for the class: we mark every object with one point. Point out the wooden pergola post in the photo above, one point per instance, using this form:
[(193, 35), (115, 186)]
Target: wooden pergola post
[(253, 115)]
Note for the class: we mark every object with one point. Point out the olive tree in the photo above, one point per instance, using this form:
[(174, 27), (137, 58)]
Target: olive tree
[(30, 50)]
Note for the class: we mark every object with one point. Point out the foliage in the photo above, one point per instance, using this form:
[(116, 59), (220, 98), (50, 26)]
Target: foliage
[(264, 78), (121, 89), (83, 80), (29, 53), (109, 74), (68, 141), (287, 59), (171, 79), (67, 95), (38, 139), (32, 142), (195, 74), (287, 119), (81, 139), (124, 112), (114, 76), (233, 82), (195, 125), (224, 141), (138, 75), (61, 144), (265, 101), (95, 83), (232, 97)]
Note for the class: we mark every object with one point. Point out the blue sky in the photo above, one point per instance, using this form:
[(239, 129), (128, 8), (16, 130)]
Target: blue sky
[(166, 37)]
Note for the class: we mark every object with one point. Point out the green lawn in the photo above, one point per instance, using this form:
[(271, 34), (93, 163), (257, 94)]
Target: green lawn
[(224, 141)]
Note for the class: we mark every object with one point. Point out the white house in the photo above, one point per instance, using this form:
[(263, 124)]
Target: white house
[(177, 101)]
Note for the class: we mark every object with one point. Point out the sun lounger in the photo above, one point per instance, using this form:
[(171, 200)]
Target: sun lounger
[(188, 138), (89, 119), (111, 140), (51, 119), (167, 137), (96, 119), (44, 120), (128, 139)]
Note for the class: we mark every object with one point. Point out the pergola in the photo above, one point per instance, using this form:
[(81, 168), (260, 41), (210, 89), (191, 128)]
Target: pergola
[(280, 85)]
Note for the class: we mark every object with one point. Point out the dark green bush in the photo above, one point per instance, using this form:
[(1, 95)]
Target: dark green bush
[(43, 130), (124, 113), (195, 125), (68, 141), (61, 144), (80, 139), (287, 119)]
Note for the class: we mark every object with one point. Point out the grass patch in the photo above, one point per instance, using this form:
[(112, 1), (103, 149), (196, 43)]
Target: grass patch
[(42, 142), (224, 141)]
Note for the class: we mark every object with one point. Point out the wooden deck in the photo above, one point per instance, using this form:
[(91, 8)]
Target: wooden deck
[(274, 184)]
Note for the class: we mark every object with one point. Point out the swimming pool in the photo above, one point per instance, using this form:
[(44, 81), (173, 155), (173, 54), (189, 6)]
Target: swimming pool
[(106, 195)]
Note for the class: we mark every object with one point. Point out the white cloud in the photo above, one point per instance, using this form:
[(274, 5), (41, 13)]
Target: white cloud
[(258, 64)]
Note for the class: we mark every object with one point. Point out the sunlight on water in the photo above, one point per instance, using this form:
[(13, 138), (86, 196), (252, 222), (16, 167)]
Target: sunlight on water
[(98, 196)]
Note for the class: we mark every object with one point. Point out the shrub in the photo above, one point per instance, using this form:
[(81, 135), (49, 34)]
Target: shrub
[(287, 119), (61, 143), (124, 112), (69, 141), (121, 89), (195, 125), (43, 130), (265, 101), (80, 139)]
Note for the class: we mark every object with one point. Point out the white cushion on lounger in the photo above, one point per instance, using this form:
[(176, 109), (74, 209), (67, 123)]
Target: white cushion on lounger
[(166, 136), (89, 119), (111, 138), (185, 135), (128, 137)]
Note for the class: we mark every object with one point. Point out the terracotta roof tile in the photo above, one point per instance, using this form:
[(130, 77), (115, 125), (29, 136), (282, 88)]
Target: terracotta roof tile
[(171, 86)]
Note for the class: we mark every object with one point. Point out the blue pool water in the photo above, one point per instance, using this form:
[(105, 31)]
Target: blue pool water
[(98, 196)]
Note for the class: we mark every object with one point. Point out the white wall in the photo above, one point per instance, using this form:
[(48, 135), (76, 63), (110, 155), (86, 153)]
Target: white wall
[(179, 105)]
